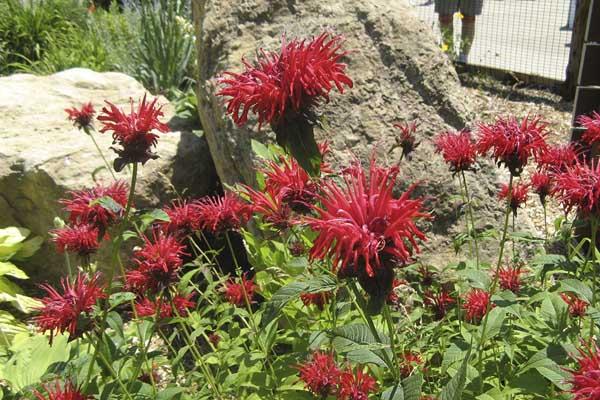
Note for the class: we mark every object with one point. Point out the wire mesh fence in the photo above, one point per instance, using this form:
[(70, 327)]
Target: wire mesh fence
[(525, 36)]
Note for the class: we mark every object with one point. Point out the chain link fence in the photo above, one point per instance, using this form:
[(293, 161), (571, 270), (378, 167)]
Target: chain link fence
[(531, 37)]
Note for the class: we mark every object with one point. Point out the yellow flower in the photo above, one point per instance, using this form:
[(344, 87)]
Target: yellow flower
[(444, 47), (459, 15)]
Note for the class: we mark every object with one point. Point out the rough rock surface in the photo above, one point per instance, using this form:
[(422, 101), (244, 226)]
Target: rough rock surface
[(399, 74), (42, 155)]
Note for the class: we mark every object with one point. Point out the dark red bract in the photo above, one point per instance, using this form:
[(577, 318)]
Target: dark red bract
[(476, 305), (512, 142), (81, 117), (577, 306), (364, 228), (591, 123), (458, 149), (65, 312), (149, 308), (406, 138), (320, 374), (84, 205), (270, 206), (291, 80), (356, 385), (440, 302), (317, 299), (133, 131), (509, 278), (516, 197), (219, 214), (585, 380), (80, 239), (292, 182), (67, 391), (238, 293), (409, 362), (541, 183)]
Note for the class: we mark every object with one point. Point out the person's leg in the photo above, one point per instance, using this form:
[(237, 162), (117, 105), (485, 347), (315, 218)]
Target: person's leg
[(469, 9), (446, 10)]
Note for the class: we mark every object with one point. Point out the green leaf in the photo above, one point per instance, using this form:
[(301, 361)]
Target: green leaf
[(10, 269), (170, 393), (29, 248), (11, 239), (9, 287), (455, 352), (412, 387), (454, 388), (261, 150), (152, 216), (108, 203), (495, 321), (297, 137), (9, 326), (393, 393), (360, 345), (577, 287), (120, 298)]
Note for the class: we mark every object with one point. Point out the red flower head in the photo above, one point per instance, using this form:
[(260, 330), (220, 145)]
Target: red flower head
[(67, 392), (409, 362), (577, 307), (356, 386), (585, 380), (458, 150), (440, 302), (406, 138), (80, 239), (511, 142), (517, 196), (66, 311), (288, 82), (81, 117), (541, 183), (271, 207), (184, 219), (427, 275), (510, 278), (557, 158), (84, 206), (325, 150), (591, 124), (148, 308), (223, 213), (476, 304), (364, 228), (214, 339), (317, 299), (320, 374), (579, 187), (133, 131), (183, 304), (292, 182), (158, 264), (237, 293)]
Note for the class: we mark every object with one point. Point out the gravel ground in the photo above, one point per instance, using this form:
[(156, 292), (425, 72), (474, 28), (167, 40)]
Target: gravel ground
[(491, 98)]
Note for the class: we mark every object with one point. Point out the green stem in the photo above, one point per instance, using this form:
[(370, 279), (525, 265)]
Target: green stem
[(470, 211), (390, 323), (118, 240), (90, 134), (545, 223), (494, 283), (592, 252), (114, 374)]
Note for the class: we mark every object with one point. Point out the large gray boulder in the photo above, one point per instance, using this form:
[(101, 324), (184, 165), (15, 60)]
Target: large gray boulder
[(399, 74), (42, 155)]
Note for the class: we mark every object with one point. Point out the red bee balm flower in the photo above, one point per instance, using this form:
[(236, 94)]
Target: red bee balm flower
[(158, 263), (458, 149), (591, 124), (511, 142), (84, 206), (67, 392), (317, 299), (356, 386), (133, 131), (517, 196), (409, 362), (271, 206), (476, 304), (64, 312), (406, 138), (80, 239), (184, 218), (237, 293), (541, 184), (81, 117), (292, 181), (320, 374), (440, 302), (222, 214), (364, 228), (557, 158), (148, 308), (289, 81), (579, 187), (585, 380), (577, 307), (510, 278)]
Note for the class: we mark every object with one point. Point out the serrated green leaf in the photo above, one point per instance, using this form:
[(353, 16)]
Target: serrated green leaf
[(108, 203), (454, 388), (577, 287)]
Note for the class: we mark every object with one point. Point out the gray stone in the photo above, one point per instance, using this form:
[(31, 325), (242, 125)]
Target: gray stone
[(42, 155), (399, 74)]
